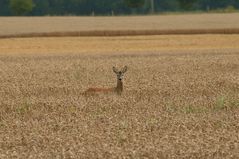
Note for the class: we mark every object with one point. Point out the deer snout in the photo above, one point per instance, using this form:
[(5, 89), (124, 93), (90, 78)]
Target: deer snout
[(120, 78)]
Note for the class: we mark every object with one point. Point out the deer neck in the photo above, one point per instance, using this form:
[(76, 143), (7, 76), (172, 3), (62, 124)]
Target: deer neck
[(119, 87)]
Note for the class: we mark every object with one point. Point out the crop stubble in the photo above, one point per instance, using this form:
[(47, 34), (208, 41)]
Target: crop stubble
[(119, 45), (119, 25)]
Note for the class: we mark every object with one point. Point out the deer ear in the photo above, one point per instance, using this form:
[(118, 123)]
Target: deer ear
[(124, 69), (115, 70)]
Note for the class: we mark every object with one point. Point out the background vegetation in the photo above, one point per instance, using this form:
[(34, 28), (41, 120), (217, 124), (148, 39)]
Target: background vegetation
[(109, 7)]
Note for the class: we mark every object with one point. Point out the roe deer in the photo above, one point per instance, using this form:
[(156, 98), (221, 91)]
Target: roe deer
[(118, 89)]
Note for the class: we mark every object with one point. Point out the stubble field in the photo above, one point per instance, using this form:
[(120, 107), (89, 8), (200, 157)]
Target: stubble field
[(180, 99), (119, 25)]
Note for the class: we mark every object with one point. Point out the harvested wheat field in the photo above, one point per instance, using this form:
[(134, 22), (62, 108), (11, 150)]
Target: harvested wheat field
[(180, 97), (119, 25)]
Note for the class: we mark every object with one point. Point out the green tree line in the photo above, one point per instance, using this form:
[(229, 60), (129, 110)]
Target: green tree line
[(109, 7)]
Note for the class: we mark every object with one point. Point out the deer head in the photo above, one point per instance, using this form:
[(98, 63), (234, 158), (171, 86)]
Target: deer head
[(120, 74)]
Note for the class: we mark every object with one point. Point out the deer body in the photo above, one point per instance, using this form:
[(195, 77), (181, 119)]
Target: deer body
[(118, 89)]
